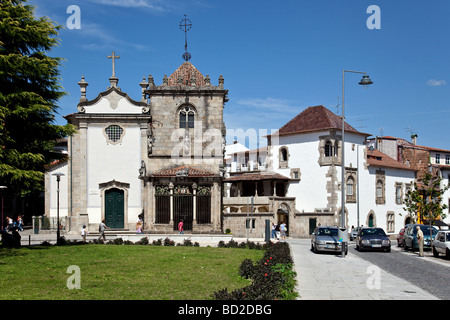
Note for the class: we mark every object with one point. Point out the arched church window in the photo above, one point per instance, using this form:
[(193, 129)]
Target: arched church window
[(379, 190), (114, 132), (284, 155), (328, 149), (187, 117), (350, 184)]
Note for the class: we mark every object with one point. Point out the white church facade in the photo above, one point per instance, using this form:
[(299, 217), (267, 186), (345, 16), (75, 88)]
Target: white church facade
[(159, 159)]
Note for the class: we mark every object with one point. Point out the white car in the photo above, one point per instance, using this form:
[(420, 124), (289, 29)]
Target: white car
[(441, 244)]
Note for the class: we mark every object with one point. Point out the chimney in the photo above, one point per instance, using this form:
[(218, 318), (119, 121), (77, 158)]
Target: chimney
[(414, 139)]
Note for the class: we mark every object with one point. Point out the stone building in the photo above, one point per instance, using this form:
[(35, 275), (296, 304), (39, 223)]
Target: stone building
[(159, 158), (300, 182)]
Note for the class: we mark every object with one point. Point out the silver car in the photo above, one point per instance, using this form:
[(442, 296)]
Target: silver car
[(441, 244), (325, 239), (354, 233)]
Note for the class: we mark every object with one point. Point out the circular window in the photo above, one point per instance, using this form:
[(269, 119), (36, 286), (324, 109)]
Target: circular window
[(114, 132)]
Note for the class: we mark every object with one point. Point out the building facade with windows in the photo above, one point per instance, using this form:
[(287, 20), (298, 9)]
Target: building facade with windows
[(159, 158), (303, 159)]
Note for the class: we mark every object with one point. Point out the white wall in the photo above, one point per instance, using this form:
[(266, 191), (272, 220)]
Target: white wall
[(107, 162), (367, 197), (311, 191), (63, 190)]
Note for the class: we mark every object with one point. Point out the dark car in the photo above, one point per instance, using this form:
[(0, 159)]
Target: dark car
[(326, 239), (411, 236), (372, 239)]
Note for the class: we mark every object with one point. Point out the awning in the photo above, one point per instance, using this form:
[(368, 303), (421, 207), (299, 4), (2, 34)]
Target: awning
[(438, 223)]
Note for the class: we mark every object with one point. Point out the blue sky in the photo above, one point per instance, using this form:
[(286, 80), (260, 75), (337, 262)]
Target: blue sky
[(277, 57)]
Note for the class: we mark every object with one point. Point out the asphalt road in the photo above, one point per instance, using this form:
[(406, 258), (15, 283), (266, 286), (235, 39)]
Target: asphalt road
[(429, 273)]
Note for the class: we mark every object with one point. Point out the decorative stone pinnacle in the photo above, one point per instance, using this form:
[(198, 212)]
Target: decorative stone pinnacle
[(83, 84)]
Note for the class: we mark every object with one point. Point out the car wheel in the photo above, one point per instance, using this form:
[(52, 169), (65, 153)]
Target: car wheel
[(435, 253), (447, 253), (388, 249)]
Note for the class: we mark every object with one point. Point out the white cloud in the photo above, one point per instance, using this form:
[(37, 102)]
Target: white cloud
[(269, 103), (270, 113), (97, 38), (436, 83), (132, 4)]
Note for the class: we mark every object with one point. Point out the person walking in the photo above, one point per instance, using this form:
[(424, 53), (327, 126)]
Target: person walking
[(274, 232), (139, 224), (283, 230), (101, 228), (277, 231), (180, 227), (420, 240), (84, 233), (20, 222)]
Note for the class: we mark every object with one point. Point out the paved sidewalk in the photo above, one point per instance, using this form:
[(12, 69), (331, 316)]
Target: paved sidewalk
[(331, 277)]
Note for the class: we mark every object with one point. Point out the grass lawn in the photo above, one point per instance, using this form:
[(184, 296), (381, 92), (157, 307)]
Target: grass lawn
[(121, 272)]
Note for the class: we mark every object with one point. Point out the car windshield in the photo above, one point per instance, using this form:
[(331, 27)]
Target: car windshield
[(427, 230), (373, 232), (328, 232)]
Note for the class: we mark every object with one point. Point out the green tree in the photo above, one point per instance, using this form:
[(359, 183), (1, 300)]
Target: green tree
[(29, 92), (426, 200)]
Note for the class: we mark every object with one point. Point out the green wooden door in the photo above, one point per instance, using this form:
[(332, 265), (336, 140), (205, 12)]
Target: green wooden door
[(114, 208), (371, 221)]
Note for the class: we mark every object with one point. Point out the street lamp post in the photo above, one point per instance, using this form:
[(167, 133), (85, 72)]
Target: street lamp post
[(1, 189), (58, 179), (364, 82)]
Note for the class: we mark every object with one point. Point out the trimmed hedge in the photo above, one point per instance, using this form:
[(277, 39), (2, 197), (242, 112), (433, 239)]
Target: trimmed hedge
[(272, 276)]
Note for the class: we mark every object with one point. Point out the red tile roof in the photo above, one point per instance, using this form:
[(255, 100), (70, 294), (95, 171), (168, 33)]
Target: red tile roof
[(191, 172), (186, 71), (317, 118), (376, 158)]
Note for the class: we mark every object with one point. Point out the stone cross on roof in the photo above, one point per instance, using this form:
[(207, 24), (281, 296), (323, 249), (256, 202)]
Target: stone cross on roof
[(113, 57)]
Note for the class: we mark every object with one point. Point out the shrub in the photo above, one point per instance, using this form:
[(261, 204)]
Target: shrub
[(246, 269), (272, 276), (157, 242), (232, 244), (144, 241), (168, 242)]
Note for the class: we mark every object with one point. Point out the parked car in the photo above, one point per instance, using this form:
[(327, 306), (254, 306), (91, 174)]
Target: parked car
[(410, 236), (441, 244), (372, 239), (326, 239), (401, 237), (354, 233)]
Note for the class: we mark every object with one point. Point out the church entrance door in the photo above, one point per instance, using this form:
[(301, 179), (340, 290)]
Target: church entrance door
[(183, 206), (114, 208)]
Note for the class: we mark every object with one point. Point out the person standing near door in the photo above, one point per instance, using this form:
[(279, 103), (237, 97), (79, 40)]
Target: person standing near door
[(101, 228)]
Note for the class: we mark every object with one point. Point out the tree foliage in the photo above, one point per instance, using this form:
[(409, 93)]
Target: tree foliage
[(426, 199), (29, 91)]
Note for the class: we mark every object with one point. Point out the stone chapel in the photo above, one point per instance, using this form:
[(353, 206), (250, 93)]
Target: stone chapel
[(159, 158)]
